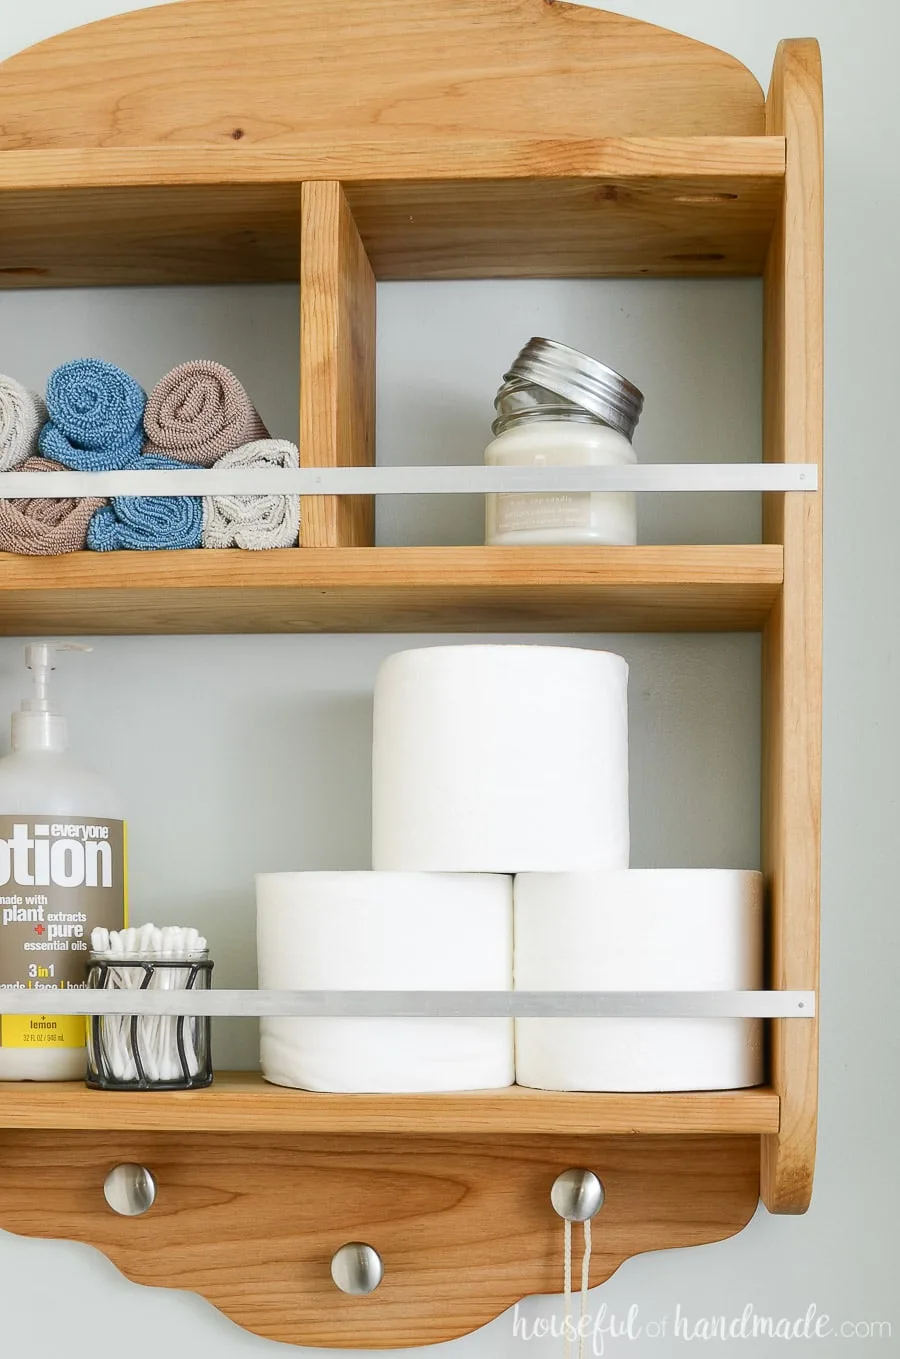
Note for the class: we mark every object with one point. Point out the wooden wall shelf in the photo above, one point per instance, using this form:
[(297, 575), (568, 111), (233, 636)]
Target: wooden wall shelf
[(244, 1102), (227, 141), (405, 589)]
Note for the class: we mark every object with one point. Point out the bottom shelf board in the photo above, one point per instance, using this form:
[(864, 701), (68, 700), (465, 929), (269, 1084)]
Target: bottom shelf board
[(393, 589), (244, 1102)]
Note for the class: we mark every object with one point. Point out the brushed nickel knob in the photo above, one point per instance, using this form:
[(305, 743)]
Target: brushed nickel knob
[(357, 1268), (130, 1190), (577, 1195)]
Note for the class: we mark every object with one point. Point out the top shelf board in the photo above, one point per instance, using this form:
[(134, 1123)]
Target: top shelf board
[(505, 208)]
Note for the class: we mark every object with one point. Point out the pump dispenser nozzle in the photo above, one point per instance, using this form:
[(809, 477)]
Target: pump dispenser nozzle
[(38, 725)]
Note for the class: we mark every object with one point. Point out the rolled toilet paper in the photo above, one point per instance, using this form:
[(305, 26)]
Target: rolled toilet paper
[(640, 930), (385, 931), (500, 759)]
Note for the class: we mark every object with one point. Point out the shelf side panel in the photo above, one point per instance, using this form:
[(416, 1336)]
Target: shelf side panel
[(337, 364), (792, 640), (464, 1224)]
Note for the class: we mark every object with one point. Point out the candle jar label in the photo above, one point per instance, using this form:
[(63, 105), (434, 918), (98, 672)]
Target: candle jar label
[(564, 509)]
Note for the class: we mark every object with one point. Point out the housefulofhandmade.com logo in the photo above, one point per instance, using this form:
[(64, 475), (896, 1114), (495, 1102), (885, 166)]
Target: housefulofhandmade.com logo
[(600, 1330)]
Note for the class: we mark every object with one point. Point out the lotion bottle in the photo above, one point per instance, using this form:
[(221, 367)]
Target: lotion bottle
[(62, 872)]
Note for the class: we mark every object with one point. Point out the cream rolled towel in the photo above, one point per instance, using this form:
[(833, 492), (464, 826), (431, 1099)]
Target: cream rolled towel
[(254, 521), (45, 528), (21, 415), (198, 412)]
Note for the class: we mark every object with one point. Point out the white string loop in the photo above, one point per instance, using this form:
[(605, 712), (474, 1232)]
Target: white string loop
[(585, 1284), (567, 1287)]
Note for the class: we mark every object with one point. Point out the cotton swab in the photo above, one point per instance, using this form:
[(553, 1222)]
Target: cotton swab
[(125, 951)]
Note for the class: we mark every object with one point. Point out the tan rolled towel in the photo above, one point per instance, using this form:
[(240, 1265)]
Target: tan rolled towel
[(45, 528), (199, 412)]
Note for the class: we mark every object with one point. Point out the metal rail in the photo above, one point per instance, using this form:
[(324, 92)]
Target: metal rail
[(310, 481), (415, 1004)]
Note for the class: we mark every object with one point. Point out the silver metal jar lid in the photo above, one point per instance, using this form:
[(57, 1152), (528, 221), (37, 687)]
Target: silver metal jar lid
[(579, 379)]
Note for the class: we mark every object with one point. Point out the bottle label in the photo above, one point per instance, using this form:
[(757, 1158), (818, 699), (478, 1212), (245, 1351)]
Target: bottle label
[(59, 880), (516, 513)]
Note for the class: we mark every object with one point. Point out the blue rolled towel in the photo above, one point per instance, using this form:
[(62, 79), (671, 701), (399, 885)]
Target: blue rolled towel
[(144, 523), (96, 414)]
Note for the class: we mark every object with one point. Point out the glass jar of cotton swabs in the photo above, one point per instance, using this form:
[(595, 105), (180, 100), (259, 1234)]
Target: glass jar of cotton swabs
[(149, 1052)]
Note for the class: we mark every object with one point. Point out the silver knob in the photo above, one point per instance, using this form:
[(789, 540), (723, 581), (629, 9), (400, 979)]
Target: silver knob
[(577, 1195), (130, 1190), (356, 1268)]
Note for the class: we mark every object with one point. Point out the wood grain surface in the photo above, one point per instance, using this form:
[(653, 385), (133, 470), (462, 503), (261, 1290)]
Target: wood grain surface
[(438, 209), (387, 589), (337, 364), (244, 1102), (277, 72), (792, 642), (464, 1225)]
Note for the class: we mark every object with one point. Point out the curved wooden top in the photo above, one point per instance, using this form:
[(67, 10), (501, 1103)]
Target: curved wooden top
[(304, 73)]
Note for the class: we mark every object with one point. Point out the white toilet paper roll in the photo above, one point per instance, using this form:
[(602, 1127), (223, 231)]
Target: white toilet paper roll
[(500, 759), (642, 930), (385, 931)]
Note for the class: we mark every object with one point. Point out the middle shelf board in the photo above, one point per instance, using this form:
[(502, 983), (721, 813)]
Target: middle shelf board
[(393, 589), (243, 1102)]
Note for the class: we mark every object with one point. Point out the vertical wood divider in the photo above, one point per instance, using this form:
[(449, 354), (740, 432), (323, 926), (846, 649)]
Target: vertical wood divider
[(337, 364), (792, 640)]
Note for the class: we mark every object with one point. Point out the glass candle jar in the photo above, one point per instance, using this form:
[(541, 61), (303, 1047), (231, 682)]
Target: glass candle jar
[(560, 408), (149, 1052)]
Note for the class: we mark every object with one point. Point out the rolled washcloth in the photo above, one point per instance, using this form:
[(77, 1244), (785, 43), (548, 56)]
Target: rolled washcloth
[(95, 416), (144, 523), (254, 521), (21, 415), (45, 528), (199, 412)]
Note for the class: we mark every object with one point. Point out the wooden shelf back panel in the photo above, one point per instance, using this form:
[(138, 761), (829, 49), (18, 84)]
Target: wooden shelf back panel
[(702, 209), (337, 364), (283, 72), (792, 650), (464, 1225), (244, 1102), (501, 208), (384, 589), (107, 235)]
